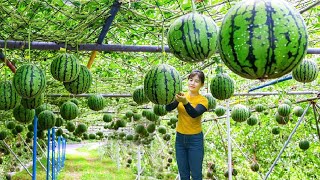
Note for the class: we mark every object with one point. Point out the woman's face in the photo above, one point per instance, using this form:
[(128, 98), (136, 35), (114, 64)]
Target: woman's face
[(194, 84)]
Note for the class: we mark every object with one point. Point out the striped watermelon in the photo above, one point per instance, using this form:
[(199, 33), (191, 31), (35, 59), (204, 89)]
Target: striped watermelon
[(262, 39), (59, 122), (32, 103), (42, 107), (193, 37), (152, 116), (29, 81), (220, 111), (59, 132), (46, 120), (252, 120), (222, 86), (240, 113), (159, 110), (82, 83), (298, 111), (69, 110), (136, 116), (70, 126), (281, 119), (259, 107), (107, 118), (65, 67), (139, 96), (96, 102), (284, 110), (211, 101), (82, 128), (162, 83), (23, 115), (9, 97), (305, 72)]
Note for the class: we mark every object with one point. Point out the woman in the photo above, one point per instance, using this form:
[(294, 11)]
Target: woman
[(189, 138)]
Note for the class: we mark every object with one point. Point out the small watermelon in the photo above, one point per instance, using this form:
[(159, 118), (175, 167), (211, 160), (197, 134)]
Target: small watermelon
[(211, 101), (69, 110), (240, 113), (32, 103), (139, 96), (305, 72), (159, 110), (46, 120), (23, 115), (96, 102)]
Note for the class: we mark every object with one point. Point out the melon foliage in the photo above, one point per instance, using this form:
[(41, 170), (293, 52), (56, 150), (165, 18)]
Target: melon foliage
[(262, 39), (162, 83), (192, 37)]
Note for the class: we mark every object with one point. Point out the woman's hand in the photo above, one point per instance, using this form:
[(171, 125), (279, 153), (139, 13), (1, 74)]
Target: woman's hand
[(180, 97)]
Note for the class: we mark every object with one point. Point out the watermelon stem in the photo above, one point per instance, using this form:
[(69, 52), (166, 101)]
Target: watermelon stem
[(29, 42), (193, 6)]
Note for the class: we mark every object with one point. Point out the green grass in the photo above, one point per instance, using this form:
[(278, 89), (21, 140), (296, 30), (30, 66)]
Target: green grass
[(84, 165)]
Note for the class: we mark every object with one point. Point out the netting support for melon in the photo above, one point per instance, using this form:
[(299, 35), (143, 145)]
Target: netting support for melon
[(230, 169), (26, 144), (14, 154), (287, 142)]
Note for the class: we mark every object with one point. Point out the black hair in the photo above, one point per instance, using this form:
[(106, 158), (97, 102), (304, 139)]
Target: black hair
[(199, 73)]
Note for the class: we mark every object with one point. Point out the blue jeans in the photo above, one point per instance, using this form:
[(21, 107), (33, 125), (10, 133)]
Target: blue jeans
[(189, 154)]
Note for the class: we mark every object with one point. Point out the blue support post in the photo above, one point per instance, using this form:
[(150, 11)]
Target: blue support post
[(272, 82), (53, 152), (64, 150), (59, 161), (34, 155), (48, 156)]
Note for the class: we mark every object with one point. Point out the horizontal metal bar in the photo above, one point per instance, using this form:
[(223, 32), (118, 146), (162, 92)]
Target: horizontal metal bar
[(96, 47), (81, 47), (235, 94), (87, 95)]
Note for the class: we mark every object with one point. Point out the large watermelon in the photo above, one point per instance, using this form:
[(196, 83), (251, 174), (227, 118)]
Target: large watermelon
[(192, 37), (81, 84), (23, 115), (305, 72), (139, 96), (29, 81), (96, 102), (262, 39), (46, 119), (65, 67), (69, 110), (222, 86), (9, 97), (32, 103), (162, 83)]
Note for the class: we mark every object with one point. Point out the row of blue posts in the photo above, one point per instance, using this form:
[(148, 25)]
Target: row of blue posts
[(58, 148)]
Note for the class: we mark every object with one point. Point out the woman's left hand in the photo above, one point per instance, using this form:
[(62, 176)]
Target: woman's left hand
[(181, 98)]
